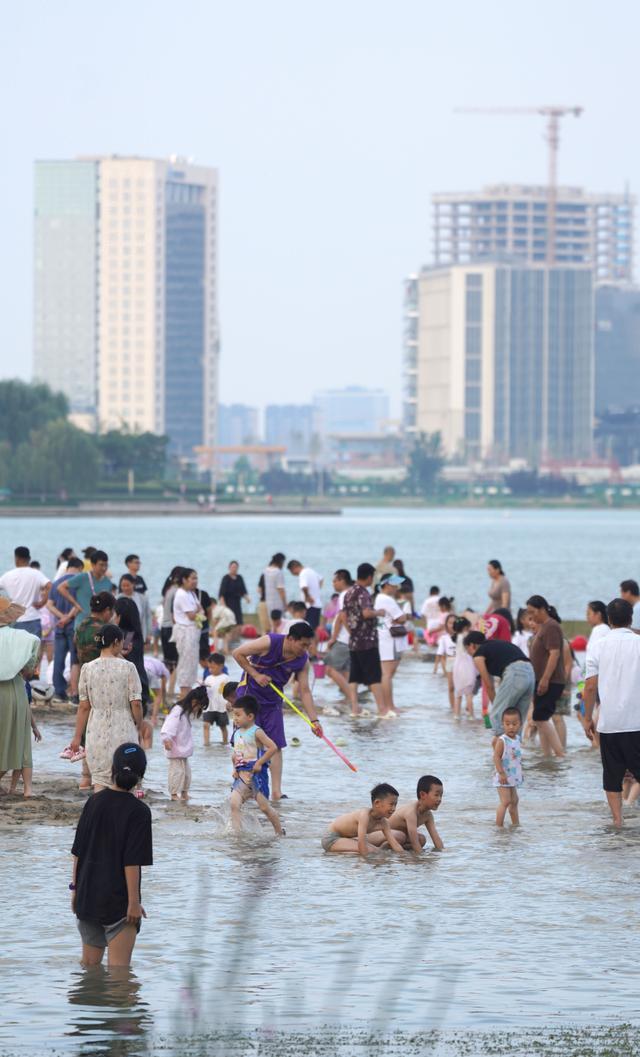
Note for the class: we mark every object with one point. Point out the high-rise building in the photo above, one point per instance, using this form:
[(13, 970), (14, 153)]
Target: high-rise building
[(351, 410), (617, 385), (504, 361), (509, 223), (126, 318), (237, 425), (293, 425)]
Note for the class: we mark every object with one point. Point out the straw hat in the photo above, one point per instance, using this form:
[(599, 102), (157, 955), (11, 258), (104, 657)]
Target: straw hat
[(10, 612)]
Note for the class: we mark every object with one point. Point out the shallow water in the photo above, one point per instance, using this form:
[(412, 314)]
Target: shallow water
[(569, 555), (501, 932)]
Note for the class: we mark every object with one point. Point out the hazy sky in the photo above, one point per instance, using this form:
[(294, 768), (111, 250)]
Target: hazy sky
[(331, 125)]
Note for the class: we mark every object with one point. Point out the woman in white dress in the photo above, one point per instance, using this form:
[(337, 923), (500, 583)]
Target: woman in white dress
[(110, 705), (392, 644), (188, 617)]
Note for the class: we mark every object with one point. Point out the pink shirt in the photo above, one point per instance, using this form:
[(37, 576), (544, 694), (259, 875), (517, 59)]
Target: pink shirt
[(177, 726)]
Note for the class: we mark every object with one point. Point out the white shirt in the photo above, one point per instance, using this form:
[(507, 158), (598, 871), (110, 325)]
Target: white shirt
[(522, 639), (430, 609), (598, 632), (635, 623), (24, 586), (392, 611), (183, 603), (616, 662), (343, 634), (446, 646), (309, 578), (273, 579), (214, 685)]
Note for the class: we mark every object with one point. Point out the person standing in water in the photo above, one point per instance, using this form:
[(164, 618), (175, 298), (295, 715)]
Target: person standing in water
[(274, 659)]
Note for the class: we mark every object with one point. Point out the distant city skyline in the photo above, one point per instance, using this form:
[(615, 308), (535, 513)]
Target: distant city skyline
[(330, 133)]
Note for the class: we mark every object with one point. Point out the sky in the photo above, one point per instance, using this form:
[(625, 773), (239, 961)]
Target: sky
[(331, 125)]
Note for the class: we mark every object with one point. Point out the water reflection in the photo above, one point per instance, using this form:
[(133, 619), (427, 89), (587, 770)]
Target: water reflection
[(108, 1014)]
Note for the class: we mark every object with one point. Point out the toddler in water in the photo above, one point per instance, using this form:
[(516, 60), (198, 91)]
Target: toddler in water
[(507, 756), (216, 710), (252, 750), (177, 738), (465, 672)]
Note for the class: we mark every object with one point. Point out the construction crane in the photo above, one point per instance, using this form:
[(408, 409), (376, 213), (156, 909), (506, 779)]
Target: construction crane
[(553, 115)]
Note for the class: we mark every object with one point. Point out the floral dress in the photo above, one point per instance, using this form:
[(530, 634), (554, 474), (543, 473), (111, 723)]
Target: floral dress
[(109, 684)]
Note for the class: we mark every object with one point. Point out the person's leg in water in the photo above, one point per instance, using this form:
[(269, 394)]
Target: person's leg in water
[(91, 955), (339, 679), (513, 808), (235, 804), (378, 696), (469, 703), (549, 741), (388, 668), (266, 808), (353, 698), (504, 794), (120, 948), (378, 839), (450, 690), (206, 728), (561, 728), (276, 775)]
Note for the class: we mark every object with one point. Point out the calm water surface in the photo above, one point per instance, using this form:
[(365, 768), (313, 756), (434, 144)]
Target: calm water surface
[(503, 929)]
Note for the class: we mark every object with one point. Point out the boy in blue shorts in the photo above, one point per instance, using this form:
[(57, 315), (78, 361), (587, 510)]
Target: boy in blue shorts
[(252, 750)]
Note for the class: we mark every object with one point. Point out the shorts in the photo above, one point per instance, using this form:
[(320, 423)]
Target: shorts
[(544, 705), (563, 708), (94, 935), (169, 649), (312, 616), (365, 667), (338, 657), (221, 719), (328, 839), (249, 790), (619, 752)]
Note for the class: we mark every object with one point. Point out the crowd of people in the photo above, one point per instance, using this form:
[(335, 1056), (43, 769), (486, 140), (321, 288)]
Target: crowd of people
[(129, 665)]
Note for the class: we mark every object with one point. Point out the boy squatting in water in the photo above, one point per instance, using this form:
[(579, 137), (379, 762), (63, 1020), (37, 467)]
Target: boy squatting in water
[(386, 825)]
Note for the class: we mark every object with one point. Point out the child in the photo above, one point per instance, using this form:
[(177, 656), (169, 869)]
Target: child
[(177, 738), (366, 830), (523, 634), (223, 621), (507, 756), (278, 625), (465, 672), (216, 710), (252, 750), (447, 651), (410, 817), (436, 627), (157, 674), (113, 842), (229, 693), (297, 612)]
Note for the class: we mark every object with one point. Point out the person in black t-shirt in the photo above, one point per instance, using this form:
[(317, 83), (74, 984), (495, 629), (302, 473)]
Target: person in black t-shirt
[(112, 843), (496, 659)]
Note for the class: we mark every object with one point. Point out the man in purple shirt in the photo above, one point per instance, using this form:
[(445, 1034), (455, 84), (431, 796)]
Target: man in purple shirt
[(274, 659)]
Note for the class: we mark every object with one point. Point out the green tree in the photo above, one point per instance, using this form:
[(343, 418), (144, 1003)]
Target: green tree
[(144, 453), (25, 407), (425, 462), (56, 458)]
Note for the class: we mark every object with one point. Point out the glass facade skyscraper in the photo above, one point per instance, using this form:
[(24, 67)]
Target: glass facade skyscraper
[(126, 293)]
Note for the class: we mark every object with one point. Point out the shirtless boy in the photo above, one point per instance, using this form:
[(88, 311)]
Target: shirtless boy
[(366, 830), (408, 819)]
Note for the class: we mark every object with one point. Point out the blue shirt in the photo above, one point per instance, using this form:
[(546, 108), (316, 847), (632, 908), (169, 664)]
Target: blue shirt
[(57, 599), (83, 586)]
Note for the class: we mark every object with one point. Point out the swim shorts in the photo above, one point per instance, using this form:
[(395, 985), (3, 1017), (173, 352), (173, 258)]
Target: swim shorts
[(259, 783), (544, 705), (221, 719), (328, 839), (94, 935)]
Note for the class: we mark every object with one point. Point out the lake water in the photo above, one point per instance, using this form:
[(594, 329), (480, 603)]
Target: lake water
[(569, 555), (247, 937)]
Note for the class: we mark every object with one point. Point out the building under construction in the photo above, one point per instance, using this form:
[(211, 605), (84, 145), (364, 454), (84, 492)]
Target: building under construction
[(509, 222)]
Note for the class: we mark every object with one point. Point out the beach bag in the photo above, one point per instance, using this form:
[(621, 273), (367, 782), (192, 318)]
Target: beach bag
[(398, 631)]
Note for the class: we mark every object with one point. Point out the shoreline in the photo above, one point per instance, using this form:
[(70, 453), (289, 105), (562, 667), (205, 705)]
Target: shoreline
[(141, 509)]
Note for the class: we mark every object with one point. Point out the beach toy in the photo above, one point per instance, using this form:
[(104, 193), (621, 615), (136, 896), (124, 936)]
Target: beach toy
[(295, 743), (249, 631), (578, 643), (322, 635), (308, 721), (318, 669)]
